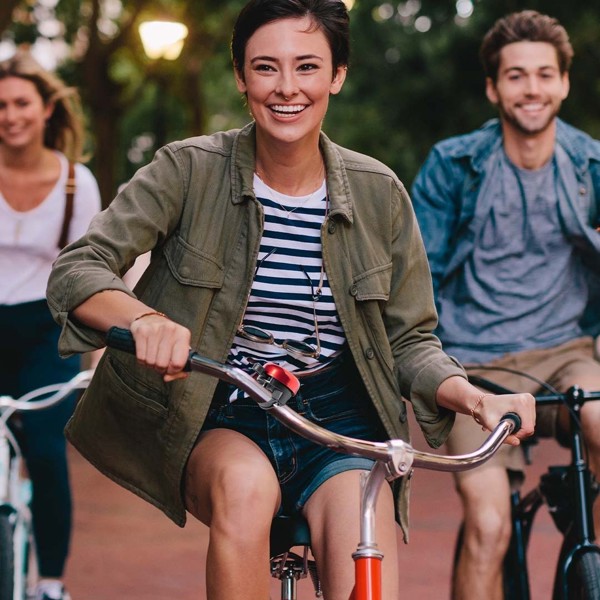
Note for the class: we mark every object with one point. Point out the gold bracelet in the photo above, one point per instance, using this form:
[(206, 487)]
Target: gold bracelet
[(477, 403), (150, 313)]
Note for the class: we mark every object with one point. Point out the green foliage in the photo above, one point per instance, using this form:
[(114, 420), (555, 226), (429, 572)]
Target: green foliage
[(407, 89)]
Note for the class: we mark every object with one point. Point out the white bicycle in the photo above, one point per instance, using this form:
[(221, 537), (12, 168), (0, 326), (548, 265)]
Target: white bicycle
[(18, 564)]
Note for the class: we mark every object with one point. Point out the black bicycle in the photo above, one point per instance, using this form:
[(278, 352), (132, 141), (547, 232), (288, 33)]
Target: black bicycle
[(568, 492)]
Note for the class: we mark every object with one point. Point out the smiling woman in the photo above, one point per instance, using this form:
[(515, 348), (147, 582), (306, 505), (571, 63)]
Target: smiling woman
[(269, 244), (47, 199)]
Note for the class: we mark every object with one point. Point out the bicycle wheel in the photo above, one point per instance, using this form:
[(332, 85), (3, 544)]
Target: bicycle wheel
[(584, 578), (7, 558)]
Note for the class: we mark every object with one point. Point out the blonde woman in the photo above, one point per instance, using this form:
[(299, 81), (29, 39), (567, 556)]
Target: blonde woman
[(47, 199)]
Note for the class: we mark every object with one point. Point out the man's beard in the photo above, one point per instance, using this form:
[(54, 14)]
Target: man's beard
[(524, 127)]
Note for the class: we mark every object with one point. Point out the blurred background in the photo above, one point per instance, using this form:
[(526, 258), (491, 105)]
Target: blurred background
[(414, 77)]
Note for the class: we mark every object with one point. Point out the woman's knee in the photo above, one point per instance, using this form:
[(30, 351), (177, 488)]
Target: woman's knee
[(234, 490)]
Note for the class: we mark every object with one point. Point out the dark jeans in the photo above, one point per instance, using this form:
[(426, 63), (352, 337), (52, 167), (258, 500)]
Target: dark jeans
[(28, 360)]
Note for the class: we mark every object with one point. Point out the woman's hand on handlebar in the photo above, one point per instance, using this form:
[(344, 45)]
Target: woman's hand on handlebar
[(491, 408), (161, 344), (457, 394)]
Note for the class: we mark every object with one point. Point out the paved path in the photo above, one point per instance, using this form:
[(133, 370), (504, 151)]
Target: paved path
[(124, 549)]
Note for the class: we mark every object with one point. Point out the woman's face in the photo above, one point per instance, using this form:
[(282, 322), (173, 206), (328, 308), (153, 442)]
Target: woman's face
[(23, 113), (287, 78)]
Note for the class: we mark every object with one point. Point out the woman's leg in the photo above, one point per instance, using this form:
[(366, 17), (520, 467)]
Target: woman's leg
[(232, 488), (44, 444), (333, 514)]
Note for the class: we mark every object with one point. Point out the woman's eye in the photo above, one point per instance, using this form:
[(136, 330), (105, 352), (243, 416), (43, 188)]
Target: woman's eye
[(263, 67), (307, 67)]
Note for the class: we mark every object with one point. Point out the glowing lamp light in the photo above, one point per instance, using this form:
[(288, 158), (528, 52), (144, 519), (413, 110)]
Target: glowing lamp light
[(163, 39)]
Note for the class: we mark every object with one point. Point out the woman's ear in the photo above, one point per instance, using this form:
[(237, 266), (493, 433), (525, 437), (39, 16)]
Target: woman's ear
[(49, 110), (338, 79), (239, 79)]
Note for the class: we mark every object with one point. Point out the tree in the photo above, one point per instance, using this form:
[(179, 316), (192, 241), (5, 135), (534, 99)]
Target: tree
[(115, 78), (415, 75)]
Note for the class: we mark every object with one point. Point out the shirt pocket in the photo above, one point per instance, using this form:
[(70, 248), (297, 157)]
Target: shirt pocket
[(371, 291), (192, 266)]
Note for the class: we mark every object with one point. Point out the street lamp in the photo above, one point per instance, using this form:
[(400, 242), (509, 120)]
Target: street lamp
[(162, 40)]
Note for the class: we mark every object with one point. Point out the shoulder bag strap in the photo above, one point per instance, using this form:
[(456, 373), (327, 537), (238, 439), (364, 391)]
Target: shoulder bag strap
[(69, 194)]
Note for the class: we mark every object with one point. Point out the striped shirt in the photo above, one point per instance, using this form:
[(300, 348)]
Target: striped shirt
[(285, 291)]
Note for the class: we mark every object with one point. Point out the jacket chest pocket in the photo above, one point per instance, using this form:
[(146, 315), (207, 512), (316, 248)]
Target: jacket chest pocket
[(373, 284), (192, 266)]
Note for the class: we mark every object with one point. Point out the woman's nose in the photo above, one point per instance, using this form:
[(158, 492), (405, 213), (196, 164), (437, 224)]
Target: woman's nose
[(287, 86)]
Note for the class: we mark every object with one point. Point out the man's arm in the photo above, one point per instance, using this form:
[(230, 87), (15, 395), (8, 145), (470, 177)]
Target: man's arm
[(436, 206)]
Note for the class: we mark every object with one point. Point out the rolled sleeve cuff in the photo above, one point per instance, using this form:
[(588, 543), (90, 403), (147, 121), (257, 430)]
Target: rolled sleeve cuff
[(75, 337), (435, 421)]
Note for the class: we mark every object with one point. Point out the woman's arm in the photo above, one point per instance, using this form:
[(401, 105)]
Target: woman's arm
[(161, 344)]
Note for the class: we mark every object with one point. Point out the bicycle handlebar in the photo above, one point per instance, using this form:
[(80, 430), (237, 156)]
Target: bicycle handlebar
[(59, 391), (397, 455), (574, 394)]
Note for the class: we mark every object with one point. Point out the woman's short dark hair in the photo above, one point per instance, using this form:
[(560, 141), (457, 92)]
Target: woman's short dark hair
[(330, 16), (524, 26)]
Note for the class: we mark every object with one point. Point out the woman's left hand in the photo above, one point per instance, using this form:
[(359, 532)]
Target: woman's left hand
[(457, 394)]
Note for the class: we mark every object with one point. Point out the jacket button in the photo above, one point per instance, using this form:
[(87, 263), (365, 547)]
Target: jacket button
[(185, 271), (369, 353), (582, 191), (353, 290), (331, 227)]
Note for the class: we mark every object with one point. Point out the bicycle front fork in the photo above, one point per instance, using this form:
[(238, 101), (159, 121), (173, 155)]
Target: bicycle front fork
[(368, 558)]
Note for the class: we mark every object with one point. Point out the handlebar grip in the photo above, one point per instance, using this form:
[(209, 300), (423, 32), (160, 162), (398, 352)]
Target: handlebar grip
[(515, 419), (120, 339)]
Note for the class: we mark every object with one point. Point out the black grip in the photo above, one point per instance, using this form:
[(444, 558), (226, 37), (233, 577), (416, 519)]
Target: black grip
[(120, 339), (515, 418)]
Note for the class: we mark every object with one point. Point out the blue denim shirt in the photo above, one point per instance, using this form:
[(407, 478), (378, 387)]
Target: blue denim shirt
[(451, 204)]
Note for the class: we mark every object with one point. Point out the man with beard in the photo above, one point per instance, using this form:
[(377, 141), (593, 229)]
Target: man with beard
[(510, 216)]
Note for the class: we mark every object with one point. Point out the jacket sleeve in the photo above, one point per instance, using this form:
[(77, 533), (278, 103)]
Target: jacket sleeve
[(434, 200), (139, 219), (420, 363)]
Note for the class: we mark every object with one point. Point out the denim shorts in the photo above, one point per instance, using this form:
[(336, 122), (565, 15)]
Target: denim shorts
[(334, 399)]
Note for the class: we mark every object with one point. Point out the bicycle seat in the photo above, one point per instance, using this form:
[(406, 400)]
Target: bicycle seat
[(287, 532)]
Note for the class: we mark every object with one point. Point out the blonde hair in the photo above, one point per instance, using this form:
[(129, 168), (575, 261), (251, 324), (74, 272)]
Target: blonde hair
[(64, 129)]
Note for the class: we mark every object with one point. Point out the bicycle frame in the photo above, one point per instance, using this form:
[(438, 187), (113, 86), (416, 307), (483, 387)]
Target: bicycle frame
[(576, 519), (271, 387), (15, 487), (580, 537)]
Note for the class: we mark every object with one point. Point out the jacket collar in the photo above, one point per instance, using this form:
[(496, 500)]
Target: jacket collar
[(244, 159), (478, 146)]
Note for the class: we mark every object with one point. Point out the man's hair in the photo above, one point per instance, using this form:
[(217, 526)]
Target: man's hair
[(331, 16), (524, 26)]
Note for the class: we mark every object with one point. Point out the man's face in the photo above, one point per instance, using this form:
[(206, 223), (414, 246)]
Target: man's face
[(530, 87)]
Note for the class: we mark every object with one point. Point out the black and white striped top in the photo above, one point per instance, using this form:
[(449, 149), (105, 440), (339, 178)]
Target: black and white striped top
[(288, 273)]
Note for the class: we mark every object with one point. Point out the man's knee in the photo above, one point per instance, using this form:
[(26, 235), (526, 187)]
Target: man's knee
[(486, 503)]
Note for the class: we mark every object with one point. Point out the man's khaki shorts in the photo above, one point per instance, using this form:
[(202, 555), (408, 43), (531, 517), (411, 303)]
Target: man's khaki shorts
[(561, 366)]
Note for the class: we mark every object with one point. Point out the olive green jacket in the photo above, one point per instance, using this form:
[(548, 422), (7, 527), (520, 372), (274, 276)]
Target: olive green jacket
[(195, 208)]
